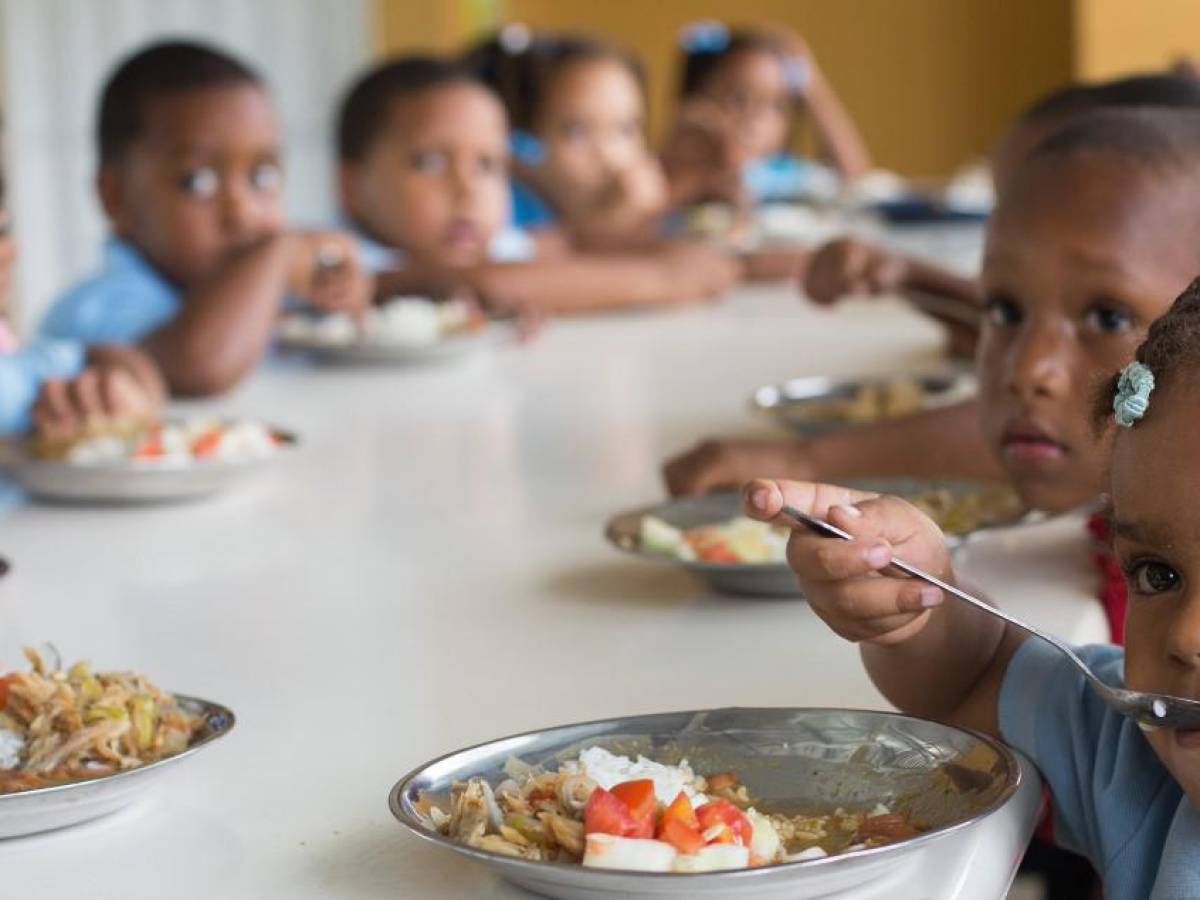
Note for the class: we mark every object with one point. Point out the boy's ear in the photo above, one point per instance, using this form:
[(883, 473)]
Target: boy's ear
[(111, 191)]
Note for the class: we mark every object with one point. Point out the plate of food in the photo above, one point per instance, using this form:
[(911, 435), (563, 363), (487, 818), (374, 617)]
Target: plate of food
[(403, 331), (733, 554), (76, 744), (176, 459), (821, 404), (794, 803)]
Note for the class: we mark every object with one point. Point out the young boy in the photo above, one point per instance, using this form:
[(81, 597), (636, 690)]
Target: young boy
[(423, 178), (200, 261)]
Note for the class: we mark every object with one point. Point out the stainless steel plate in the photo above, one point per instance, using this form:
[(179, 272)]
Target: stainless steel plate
[(367, 354), (792, 760), (792, 403), (130, 482), (762, 579), (43, 809)]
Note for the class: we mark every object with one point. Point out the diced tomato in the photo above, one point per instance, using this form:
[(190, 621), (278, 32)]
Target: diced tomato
[(677, 833), (638, 796), (4, 684), (537, 795), (150, 448), (608, 814), (207, 443), (722, 812), (717, 552), (681, 809), (756, 861), (717, 834)]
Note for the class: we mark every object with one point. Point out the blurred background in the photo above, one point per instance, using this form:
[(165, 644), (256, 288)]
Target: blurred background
[(931, 83)]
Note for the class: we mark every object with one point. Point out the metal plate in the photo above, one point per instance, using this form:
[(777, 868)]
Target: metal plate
[(129, 482), (368, 354), (793, 760), (788, 402), (43, 809), (762, 579)]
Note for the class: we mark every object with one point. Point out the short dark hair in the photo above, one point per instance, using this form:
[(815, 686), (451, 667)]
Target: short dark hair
[(522, 75), (362, 114), (162, 69), (1158, 141), (701, 63), (1143, 90)]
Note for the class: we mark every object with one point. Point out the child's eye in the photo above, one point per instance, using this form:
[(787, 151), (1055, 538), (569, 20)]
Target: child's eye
[(1004, 311), (266, 177), (202, 183), (491, 165), (1109, 319), (431, 162), (1152, 577)]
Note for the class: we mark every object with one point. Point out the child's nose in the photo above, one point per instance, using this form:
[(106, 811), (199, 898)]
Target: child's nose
[(237, 209), (1039, 364)]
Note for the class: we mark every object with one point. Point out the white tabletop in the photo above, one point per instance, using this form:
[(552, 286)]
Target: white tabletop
[(428, 571)]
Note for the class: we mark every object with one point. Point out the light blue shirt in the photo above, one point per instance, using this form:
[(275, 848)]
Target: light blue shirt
[(125, 301), (22, 374), (787, 177), (1114, 801)]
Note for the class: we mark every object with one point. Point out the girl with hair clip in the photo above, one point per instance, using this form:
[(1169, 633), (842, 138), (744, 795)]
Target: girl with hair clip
[(741, 90)]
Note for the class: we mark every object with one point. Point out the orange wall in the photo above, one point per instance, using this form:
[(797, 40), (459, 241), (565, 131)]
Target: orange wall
[(1114, 37), (930, 82)]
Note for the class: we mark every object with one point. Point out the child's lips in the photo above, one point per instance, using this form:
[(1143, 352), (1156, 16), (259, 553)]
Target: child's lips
[(1031, 444), (464, 234)]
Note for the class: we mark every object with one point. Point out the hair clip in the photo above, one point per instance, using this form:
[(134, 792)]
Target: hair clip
[(515, 38), (1133, 393), (797, 73), (705, 36)]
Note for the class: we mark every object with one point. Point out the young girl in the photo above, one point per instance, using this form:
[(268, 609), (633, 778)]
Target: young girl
[(423, 177), (750, 84), (1091, 237), (1126, 797), (582, 169)]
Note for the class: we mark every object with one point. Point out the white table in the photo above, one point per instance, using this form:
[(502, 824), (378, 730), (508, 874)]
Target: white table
[(427, 572)]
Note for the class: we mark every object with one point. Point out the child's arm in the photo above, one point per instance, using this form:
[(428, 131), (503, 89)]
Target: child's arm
[(587, 283), (928, 654), (226, 323), (938, 443)]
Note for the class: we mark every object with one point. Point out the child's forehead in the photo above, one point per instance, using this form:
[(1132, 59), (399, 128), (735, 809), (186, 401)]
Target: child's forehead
[(181, 122), (454, 105)]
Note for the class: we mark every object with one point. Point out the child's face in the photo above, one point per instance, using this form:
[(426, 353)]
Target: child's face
[(1080, 259), (751, 86), (592, 124), (434, 184), (1156, 534), (202, 183)]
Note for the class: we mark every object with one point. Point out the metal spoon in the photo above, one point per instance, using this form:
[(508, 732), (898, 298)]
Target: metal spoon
[(1148, 710)]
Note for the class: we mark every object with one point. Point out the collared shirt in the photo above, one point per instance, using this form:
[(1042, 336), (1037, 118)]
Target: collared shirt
[(1114, 801), (121, 304), (22, 373)]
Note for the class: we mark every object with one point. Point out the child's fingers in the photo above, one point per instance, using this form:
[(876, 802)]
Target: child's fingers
[(764, 498), (870, 608), (83, 393)]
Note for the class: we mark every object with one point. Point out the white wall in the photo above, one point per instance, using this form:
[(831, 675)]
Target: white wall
[(55, 56)]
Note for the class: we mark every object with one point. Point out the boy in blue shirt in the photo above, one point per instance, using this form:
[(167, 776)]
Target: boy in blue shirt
[(200, 260)]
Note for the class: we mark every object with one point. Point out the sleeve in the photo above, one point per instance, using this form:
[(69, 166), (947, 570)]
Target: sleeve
[(528, 209), (1098, 767), (512, 244), (22, 374), (113, 308)]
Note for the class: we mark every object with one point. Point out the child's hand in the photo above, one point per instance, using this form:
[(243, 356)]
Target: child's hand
[(697, 269), (324, 271), (702, 157), (846, 582), (118, 384), (713, 465), (850, 266)]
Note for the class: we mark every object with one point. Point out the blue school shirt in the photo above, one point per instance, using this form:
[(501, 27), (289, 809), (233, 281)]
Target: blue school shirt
[(786, 177), (529, 210), (22, 374), (121, 304), (1114, 801)]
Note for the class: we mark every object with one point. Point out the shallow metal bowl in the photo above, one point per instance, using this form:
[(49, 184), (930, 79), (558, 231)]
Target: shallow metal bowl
[(763, 579), (60, 805), (364, 353), (129, 482), (791, 760), (791, 403)]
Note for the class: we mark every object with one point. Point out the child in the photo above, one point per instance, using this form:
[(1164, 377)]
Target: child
[(752, 82), (581, 164), (1125, 797), (423, 177), (852, 267), (199, 262), (1085, 246)]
